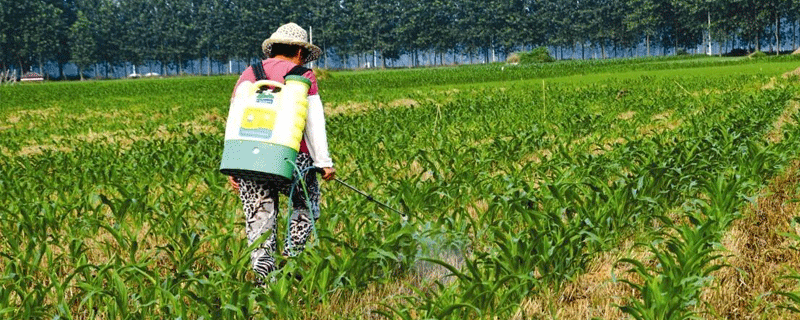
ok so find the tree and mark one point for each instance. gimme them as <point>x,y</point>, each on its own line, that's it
<point>183,33</point>
<point>775,11</point>
<point>172,33</point>
<point>683,23</point>
<point>38,28</point>
<point>643,20</point>
<point>106,29</point>
<point>475,27</point>
<point>6,44</point>
<point>141,33</point>
<point>82,44</point>
<point>749,18</point>
<point>408,30</point>
<point>66,19</point>
<point>516,26</point>
<point>561,23</point>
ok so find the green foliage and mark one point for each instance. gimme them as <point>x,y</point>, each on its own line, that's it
<point>513,58</point>
<point>112,193</point>
<point>178,31</point>
<point>537,55</point>
<point>83,45</point>
<point>757,55</point>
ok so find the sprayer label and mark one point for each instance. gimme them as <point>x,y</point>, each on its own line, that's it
<point>265,97</point>
<point>257,123</point>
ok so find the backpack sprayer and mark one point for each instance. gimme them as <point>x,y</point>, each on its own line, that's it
<point>264,129</point>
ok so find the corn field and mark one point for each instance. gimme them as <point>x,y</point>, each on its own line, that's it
<point>515,178</point>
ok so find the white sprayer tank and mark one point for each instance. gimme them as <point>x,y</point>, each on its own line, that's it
<point>264,129</point>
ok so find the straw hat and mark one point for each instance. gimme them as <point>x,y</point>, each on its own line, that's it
<point>292,34</point>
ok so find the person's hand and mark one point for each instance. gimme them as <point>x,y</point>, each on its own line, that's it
<point>329,173</point>
<point>233,183</point>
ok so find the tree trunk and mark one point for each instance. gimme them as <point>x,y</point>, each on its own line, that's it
<point>583,51</point>
<point>41,69</point>
<point>573,49</point>
<point>602,51</point>
<point>758,42</point>
<point>777,35</point>
<point>676,45</point>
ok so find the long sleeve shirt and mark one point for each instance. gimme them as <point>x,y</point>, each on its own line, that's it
<point>315,139</point>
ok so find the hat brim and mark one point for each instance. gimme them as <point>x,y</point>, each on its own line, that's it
<point>314,52</point>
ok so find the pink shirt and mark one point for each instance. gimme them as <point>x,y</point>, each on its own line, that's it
<point>275,70</point>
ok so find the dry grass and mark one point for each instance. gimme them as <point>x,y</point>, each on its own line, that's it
<point>606,145</point>
<point>660,123</point>
<point>795,73</point>
<point>776,134</point>
<point>352,107</point>
<point>538,156</point>
<point>758,256</point>
<point>360,304</point>
<point>39,114</point>
<point>595,293</point>
<point>774,80</point>
<point>124,138</point>
<point>407,170</point>
<point>626,115</point>
<point>477,208</point>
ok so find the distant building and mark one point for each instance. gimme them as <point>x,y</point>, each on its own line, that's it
<point>32,76</point>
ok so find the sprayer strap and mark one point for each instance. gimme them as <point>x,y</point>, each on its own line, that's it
<point>258,71</point>
<point>297,71</point>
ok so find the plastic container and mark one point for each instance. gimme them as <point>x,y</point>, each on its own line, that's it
<point>264,129</point>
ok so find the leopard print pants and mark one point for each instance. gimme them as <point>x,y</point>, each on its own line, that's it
<point>260,201</point>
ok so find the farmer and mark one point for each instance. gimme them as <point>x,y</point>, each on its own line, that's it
<point>287,50</point>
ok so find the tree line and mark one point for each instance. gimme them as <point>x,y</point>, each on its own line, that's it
<point>171,33</point>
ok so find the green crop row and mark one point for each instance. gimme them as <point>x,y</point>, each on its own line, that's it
<point>511,188</point>
<point>546,220</point>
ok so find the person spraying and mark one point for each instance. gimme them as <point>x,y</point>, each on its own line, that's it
<point>264,157</point>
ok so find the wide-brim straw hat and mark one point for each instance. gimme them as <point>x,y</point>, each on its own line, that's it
<point>292,34</point>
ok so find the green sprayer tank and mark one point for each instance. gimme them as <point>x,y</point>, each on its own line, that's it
<point>264,129</point>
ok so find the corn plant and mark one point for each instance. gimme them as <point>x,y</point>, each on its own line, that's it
<point>118,210</point>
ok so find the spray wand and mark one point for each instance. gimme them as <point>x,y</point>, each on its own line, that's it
<point>369,197</point>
